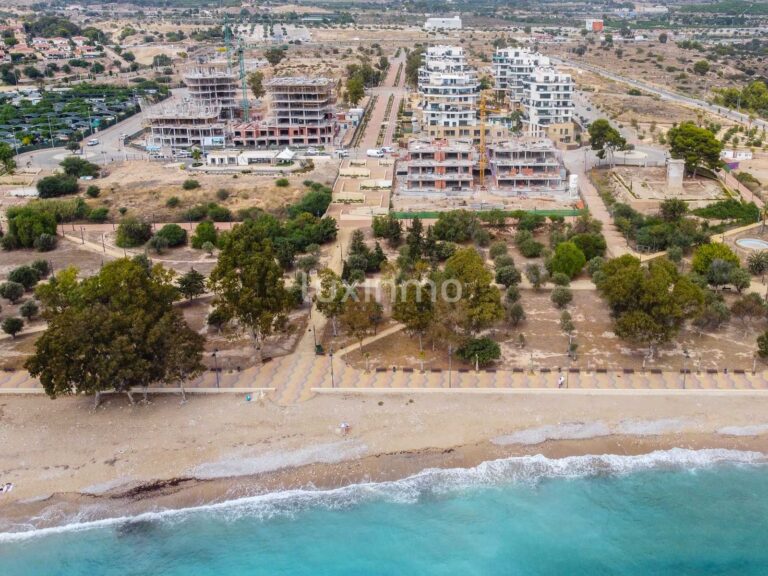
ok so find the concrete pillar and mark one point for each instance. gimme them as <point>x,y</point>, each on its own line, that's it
<point>675,173</point>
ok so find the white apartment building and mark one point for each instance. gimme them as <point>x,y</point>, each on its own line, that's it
<point>548,100</point>
<point>448,90</point>
<point>511,68</point>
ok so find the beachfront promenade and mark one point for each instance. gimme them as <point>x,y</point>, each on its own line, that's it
<point>298,377</point>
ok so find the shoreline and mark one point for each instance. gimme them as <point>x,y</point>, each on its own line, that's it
<point>72,463</point>
<point>189,493</point>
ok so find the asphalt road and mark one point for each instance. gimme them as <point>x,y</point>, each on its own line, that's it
<point>665,94</point>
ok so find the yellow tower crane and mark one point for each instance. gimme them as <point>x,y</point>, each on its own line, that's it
<point>483,160</point>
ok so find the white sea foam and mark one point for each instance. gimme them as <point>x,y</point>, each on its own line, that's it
<point>247,465</point>
<point>754,430</point>
<point>567,431</point>
<point>652,427</point>
<point>525,469</point>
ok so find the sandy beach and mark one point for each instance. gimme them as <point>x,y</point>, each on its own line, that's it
<point>69,462</point>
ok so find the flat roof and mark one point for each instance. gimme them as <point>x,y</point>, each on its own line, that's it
<point>298,81</point>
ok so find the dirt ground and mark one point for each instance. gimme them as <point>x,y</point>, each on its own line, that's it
<point>598,347</point>
<point>144,189</point>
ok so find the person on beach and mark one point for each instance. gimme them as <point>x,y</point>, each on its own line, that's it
<point>344,427</point>
<point>560,381</point>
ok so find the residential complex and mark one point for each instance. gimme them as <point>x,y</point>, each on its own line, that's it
<point>448,92</point>
<point>441,168</point>
<point>526,167</point>
<point>547,101</point>
<point>511,68</point>
<point>301,113</point>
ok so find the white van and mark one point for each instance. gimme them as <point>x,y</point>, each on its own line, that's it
<point>374,153</point>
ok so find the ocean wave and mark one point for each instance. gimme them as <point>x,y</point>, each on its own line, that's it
<point>425,484</point>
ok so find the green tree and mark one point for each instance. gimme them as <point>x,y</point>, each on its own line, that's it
<point>204,232</point>
<point>561,296</point>
<point>117,330</point>
<point>508,276</point>
<point>359,317</point>
<point>248,281</point>
<point>482,351</point>
<point>133,232</point>
<point>673,209</point>
<point>355,89</point>
<point>79,167</point>
<point>24,275</point>
<point>29,309</point>
<point>707,253</point>
<point>413,307</point>
<point>274,55</point>
<point>174,234</point>
<point>605,139</point>
<point>256,83</point>
<point>697,146</point>
<point>56,185</point>
<point>568,259</point>
<point>12,326</point>
<point>6,158</point>
<point>535,275</point>
<point>330,300</point>
<point>191,284</point>
<point>701,67</point>
<point>12,291</point>
<point>481,299</point>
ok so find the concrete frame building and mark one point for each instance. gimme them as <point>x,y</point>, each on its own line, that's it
<point>301,113</point>
<point>526,167</point>
<point>548,100</point>
<point>439,168</point>
<point>511,68</point>
<point>448,92</point>
<point>215,83</point>
<point>185,126</point>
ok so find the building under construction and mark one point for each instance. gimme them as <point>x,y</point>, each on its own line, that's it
<point>215,83</point>
<point>301,112</point>
<point>187,125</point>
<point>526,167</point>
<point>440,167</point>
<point>522,167</point>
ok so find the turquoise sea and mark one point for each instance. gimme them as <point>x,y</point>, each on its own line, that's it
<point>675,512</point>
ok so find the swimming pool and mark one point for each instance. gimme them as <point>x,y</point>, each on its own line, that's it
<point>752,243</point>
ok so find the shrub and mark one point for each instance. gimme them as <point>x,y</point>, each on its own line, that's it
<point>707,253</point>
<point>29,309</point>
<point>208,247</point>
<point>205,232</point>
<point>516,314</point>
<point>27,223</point>
<point>190,184</point>
<point>222,194</point>
<point>497,249</point>
<point>45,242</point>
<point>503,260</point>
<point>11,291</point>
<point>133,232</point>
<point>217,318</point>
<point>172,202</point>
<point>592,245</point>
<point>508,276</point>
<point>42,267</point>
<point>196,213</point>
<point>282,182</point>
<point>158,244</point>
<point>481,350</point>
<point>12,326</point>
<point>78,167</point>
<point>174,234</point>
<point>98,214</point>
<point>561,296</point>
<point>531,248</point>
<point>219,213</point>
<point>513,294</point>
<point>56,185</point>
<point>93,191</point>
<point>595,265</point>
<point>560,279</point>
<point>25,275</point>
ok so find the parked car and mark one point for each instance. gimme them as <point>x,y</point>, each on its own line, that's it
<point>374,153</point>
<point>313,151</point>
<point>342,153</point>
<point>387,149</point>
<point>93,142</point>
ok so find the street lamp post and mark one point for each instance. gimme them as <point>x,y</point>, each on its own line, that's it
<point>216,366</point>
<point>450,356</point>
